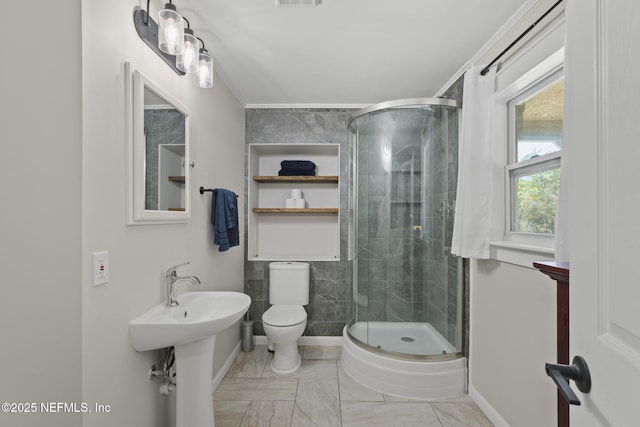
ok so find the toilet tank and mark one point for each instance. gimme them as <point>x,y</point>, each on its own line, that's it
<point>289,283</point>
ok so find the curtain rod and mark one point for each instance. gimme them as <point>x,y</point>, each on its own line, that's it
<point>485,70</point>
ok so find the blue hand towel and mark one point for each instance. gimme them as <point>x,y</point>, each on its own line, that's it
<point>298,165</point>
<point>224,217</point>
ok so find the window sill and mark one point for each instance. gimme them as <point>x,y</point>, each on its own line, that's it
<point>520,254</point>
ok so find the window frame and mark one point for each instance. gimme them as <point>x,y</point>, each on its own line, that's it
<point>538,164</point>
<point>506,246</point>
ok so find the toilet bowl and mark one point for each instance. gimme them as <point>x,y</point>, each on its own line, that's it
<point>284,325</point>
<point>284,322</point>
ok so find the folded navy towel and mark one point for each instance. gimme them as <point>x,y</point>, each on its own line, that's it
<point>296,172</point>
<point>224,217</point>
<point>298,164</point>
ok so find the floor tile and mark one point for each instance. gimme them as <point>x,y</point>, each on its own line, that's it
<point>229,413</point>
<point>321,352</point>
<point>256,389</point>
<point>250,364</point>
<point>460,415</point>
<point>358,414</point>
<point>461,398</point>
<point>350,390</point>
<point>308,369</point>
<point>317,403</point>
<point>268,414</point>
<point>320,393</point>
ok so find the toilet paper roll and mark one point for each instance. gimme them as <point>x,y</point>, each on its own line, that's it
<point>289,203</point>
<point>298,203</point>
<point>296,194</point>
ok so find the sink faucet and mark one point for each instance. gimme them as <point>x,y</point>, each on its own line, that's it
<point>171,278</point>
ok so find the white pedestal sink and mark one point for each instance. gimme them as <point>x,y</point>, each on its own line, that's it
<point>191,329</point>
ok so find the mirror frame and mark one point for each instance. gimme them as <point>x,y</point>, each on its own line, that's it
<point>135,83</point>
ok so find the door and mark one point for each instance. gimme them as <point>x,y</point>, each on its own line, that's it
<point>602,113</point>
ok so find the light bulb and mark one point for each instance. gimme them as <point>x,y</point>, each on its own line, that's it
<point>205,69</point>
<point>187,61</point>
<point>170,30</point>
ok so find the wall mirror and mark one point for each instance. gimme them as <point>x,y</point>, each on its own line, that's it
<point>160,161</point>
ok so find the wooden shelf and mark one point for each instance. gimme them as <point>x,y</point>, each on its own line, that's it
<point>263,178</point>
<point>176,178</point>
<point>295,211</point>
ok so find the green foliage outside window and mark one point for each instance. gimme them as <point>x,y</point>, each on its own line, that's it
<point>537,201</point>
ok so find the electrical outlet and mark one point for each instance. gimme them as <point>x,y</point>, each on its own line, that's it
<point>100,268</point>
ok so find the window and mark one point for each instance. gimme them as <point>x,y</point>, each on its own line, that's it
<point>535,147</point>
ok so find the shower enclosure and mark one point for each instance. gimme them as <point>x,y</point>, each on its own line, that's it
<point>405,294</point>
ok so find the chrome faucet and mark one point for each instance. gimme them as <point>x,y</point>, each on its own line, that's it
<point>171,278</point>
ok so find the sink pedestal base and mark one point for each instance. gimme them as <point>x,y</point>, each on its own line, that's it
<point>194,383</point>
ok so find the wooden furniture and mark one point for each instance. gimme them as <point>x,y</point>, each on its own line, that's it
<point>559,271</point>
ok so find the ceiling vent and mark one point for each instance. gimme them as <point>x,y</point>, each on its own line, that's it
<point>298,2</point>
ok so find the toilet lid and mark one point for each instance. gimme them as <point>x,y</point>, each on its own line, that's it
<point>284,315</point>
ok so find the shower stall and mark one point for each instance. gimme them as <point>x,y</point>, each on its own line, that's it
<point>404,332</point>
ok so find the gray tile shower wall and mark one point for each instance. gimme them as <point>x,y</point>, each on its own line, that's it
<point>327,309</point>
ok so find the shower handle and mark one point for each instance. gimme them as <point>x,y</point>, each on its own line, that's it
<point>446,208</point>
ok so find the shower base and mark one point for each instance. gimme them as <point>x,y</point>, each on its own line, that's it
<point>438,377</point>
<point>402,337</point>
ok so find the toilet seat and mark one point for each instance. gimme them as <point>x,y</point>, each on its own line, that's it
<point>284,315</point>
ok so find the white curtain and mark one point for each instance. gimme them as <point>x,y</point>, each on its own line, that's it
<point>473,217</point>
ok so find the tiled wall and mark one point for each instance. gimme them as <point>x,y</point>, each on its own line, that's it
<point>327,309</point>
<point>162,126</point>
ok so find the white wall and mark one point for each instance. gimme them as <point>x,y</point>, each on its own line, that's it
<point>513,334</point>
<point>113,373</point>
<point>40,175</point>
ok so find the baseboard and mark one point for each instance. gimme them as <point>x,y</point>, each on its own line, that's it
<point>217,379</point>
<point>486,407</point>
<point>322,341</point>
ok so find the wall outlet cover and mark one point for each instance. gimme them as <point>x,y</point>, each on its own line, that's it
<point>100,268</point>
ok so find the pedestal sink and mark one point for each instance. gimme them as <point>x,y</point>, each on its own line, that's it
<point>191,328</point>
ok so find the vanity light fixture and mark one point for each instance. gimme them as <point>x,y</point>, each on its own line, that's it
<point>204,76</point>
<point>175,44</point>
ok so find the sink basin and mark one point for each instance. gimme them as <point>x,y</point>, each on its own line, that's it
<point>199,315</point>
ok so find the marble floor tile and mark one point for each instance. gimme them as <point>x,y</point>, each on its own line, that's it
<point>317,403</point>
<point>321,352</point>
<point>320,393</point>
<point>308,369</point>
<point>460,415</point>
<point>229,413</point>
<point>461,398</point>
<point>383,414</point>
<point>268,414</point>
<point>250,364</point>
<point>256,389</point>
<point>350,390</point>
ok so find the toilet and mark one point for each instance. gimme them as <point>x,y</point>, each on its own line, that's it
<point>285,320</point>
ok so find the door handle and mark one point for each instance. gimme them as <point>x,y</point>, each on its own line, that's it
<point>578,371</point>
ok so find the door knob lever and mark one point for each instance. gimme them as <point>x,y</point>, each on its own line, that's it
<point>578,371</point>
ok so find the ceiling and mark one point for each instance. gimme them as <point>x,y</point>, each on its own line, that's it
<point>342,52</point>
